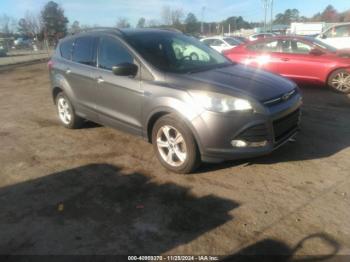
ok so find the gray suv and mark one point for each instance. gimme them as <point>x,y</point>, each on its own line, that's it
<point>186,99</point>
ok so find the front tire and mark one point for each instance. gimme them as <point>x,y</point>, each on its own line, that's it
<point>339,81</point>
<point>175,145</point>
<point>66,112</point>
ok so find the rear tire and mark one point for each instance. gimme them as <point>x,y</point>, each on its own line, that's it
<point>66,112</point>
<point>339,81</point>
<point>174,145</point>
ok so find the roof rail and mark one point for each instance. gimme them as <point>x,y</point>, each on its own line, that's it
<point>171,29</point>
<point>97,28</point>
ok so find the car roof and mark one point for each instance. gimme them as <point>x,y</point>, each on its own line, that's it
<point>284,37</point>
<point>123,33</point>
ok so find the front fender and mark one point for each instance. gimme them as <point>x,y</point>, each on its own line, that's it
<point>186,110</point>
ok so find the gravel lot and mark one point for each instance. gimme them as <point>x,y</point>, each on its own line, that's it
<point>100,191</point>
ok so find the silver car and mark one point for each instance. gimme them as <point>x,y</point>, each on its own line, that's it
<point>191,108</point>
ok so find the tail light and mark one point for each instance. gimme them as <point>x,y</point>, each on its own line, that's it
<point>50,65</point>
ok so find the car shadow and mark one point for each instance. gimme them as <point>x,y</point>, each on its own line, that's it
<point>97,209</point>
<point>325,130</point>
<point>270,250</point>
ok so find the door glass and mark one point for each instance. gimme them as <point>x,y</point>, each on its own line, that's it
<point>83,51</point>
<point>270,46</point>
<point>187,51</point>
<point>301,48</point>
<point>112,53</point>
<point>342,31</point>
<point>217,42</point>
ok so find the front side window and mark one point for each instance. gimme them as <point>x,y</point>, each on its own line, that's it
<point>83,51</point>
<point>66,49</point>
<point>342,31</point>
<point>217,42</point>
<point>112,53</point>
<point>176,52</point>
<point>301,48</point>
<point>338,31</point>
<point>231,41</point>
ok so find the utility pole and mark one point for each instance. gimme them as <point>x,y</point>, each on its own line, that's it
<point>202,25</point>
<point>271,15</point>
<point>266,7</point>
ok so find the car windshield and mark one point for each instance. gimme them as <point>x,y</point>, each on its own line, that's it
<point>232,41</point>
<point>321,44</point>
<point>176,53</point>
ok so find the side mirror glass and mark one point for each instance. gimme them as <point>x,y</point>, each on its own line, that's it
<point>125,69</point>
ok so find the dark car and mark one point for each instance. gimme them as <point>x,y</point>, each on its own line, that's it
<point>191,108</point>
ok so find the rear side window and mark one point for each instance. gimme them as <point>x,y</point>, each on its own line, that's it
<point>66,49</point>
<point>84,51</point>
<point>112,53</point>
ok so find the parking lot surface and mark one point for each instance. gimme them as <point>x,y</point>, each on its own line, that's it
<point>100,191</point>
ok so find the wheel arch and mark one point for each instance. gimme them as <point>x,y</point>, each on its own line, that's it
<point>333,70</point>
<point>152,119</point>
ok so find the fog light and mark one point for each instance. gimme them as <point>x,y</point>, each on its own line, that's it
<point>258,144</point>
<point>238,143</point>
<point>242,143</point>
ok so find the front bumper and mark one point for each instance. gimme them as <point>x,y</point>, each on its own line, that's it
<point>275,124</point>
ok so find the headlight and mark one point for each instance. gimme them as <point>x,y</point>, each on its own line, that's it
<point>220,103</point>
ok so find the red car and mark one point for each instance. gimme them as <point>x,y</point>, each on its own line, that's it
<point>303,59</point>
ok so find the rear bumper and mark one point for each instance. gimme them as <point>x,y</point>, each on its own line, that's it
<point>276,125</point>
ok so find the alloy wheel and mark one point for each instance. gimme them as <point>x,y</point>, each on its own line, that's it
<point>171,146</point>
<point>64,110</point>
<point>341,81</point>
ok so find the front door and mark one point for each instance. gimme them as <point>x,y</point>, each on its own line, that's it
<point>119,97</point>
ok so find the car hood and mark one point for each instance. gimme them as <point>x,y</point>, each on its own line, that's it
<point>239,78</point>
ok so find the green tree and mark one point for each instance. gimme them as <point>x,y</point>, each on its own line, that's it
<point>191,24</point>
<point>330,15</point>
<point>75,28</point>
<point>141,23</point>
<point>289,16</point>
<point>123,23</point>
<point>23,27</point>
<point>54,21</point>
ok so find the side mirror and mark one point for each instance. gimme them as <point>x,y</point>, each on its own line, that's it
<point>316,52</point>
<point>323,36</point>
<point>125,69</point>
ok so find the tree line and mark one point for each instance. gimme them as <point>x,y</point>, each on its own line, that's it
<point>52,23</point>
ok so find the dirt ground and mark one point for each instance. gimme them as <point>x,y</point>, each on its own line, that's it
<point>100,191</point>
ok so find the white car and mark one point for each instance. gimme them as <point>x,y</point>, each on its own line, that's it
<point>337,36</point>
<point>221,43</point>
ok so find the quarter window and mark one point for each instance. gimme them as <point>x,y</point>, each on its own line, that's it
<point>83,51</point>
<point>66,49</point>
<point>112,53</point>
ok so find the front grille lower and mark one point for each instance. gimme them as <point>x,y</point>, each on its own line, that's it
<point>255,133</point>
<point>285,125</point>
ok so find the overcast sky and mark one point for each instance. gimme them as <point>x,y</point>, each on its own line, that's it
<point>106,12</point>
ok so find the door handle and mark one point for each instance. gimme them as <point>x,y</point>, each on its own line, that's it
<point>100,80</point>
<point>68,71</point>
<point>285,59</point>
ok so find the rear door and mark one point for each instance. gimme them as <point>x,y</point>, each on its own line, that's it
<point>263,55</point>
<point>119,98</point>
<point>81,74</point>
